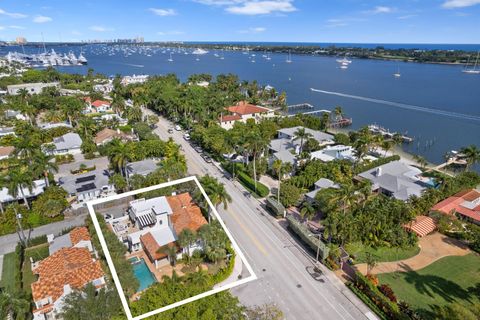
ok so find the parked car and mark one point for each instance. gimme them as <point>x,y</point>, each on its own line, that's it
<point>186,136</point>
<point>170,130</point>
<point>198,149</point>
<point>178,128</point>
<point>207,158</point>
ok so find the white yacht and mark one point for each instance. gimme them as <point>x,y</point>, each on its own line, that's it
<point>474,69</point>
<point>199,51</point>
<point>289,57</point>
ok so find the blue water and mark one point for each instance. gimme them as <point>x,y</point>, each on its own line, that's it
<point>440,105</point>
<point>143,274</point>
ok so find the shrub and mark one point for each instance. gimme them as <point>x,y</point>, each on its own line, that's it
<point>388,292</point>
<point>63,158</point>
<point>380,161</point>
<point>308,237</point>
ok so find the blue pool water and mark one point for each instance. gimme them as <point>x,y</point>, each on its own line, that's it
<point>142,273</point>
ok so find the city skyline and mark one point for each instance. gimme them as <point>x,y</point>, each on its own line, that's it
<point>349,21</point>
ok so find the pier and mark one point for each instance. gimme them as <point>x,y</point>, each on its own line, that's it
<point>387,134</point>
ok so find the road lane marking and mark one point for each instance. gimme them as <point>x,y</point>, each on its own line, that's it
<point>249,233</point>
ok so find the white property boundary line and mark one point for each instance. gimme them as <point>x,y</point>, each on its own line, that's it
<point>116,279</point>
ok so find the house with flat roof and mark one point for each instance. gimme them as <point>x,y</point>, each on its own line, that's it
<point>66,269</point>
<point>69,143</point>
<point>87,186</point>
<point>395,179</point>
<point>338,152</point>
<point>157,223</point>
<point>32,88</point>
<point>465,204</point>
<point>142,167</point>
<point>242,112</point>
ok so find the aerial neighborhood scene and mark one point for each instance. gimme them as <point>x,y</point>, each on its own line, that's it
<point>284,159</point>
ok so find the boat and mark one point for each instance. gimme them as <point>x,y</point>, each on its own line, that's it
<point>170,59</point>
<point>81,59</point>
<point>344,66</point>
<point>473,70</point>
<point>199,51</point>
<point>397,74</point>
<point>344,60</point>
<point>289,57</point>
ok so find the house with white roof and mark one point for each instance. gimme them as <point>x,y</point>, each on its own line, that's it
<point>37,189</point>
<point>338,152</point>
<point>69,143</point>
<point>396,179</point>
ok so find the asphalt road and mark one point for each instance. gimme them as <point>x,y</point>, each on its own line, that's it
<point>285,271</point>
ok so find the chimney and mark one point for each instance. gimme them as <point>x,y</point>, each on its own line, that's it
<point>379,171</point>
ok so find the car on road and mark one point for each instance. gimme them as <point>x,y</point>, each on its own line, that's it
<point>198,149</point>
<point>186,136</point>
<point>207,158</point>
<point>178,128</point>
<point>170,130</point>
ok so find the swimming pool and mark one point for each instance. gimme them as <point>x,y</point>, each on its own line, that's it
<point>142,273</point>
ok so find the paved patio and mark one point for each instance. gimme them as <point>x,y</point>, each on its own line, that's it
<point>432,248</point>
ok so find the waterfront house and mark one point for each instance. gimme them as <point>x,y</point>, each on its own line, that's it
<point>338,152</point>
<point>32,88</point>
<point>87,186</point>
<point>151,224</point>
<point>322,138</point>
<point>140,78</point>
<point>395,179</point>
<point>106,135</point>
<point>242,112</point>
<point>69,267</point>
<point>465,204</point>
<point>69,143</point>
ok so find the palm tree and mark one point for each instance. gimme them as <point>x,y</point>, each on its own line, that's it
<point>280,168</point>
<point>86,126</point>
<point>255,145</point>
<point>171,252</point>
<point>371,261</point>
<point>215,191</point>
<point>186,238</point>
<point>387,145</point>
<point>13,306</point>
<point>307,210</point>
<point>338,112</point>
<point>471,154</point>
<point>16,181</point>
<point>119,156</point>
<point>302,135</point>
<point>345,197</point>
<point>420,160</point>
<point>43,165</point>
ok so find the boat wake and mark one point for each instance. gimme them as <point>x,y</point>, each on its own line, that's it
<point>403,105</point>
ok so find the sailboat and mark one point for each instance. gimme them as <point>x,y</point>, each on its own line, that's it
<point>397,74</point>
<point>474,69</point>
<point>170,59</point>
<point>289,57</point>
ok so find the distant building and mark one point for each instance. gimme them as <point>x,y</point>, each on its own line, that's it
<point>106,135</point>
<point>242,112</point>
<point>70,266</point>
<point>69,143</point>
<point>32,88</point>
<point>37,189</point>
<point>87,186</point>
<point>465,204</point>
<point>290,134</point>
<point>395,179</point>
<point>338,152</point>
<point>97,106</point>
<point>20,40</point>
<point>140,78</point>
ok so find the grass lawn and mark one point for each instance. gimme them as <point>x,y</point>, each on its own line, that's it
<point>382,254</point>
<point>448,280</point>
<point>9,271</point>
<point>37,253</point>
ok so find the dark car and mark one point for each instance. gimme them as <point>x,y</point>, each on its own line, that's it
<point>207,158</point>
<point>170,130</point>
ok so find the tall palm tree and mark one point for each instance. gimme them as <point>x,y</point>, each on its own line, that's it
<point>420,160</point>
<point>255,144</point>
<point>171,252</point>
<point>16,181</point>
<point>345,197</point>
<point>86,126</point>
<point>307,211</point>
<point>471,154</point>
<point>186,238</point>
<point>13,306</point>
<point>303,135</point>
<point>42,164</point>
<point>280,169</point>
<point>119,156</point>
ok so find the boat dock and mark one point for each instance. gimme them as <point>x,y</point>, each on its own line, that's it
<point>300,106</point>
<point>375,129</point>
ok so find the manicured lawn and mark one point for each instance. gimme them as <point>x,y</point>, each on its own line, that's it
<point>37,253</point>
<point>382,254</point>
<point>448,280</point>
<point>9,271</point>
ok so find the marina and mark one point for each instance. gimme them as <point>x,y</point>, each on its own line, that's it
<point>378,130</point>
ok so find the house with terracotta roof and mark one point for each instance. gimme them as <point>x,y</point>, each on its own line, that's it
<point>106,135</point>
<point>243,111</point>
<point>67,268</point>
<point>465,204</point>
<point>97,106</point>
<point>156,223</point>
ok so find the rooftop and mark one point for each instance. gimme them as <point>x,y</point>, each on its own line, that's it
<point>107,133</point>
<point>93,180</point>
<point>317,135</point>
<point>186,214</point>
<point>143,167</point>
<point>67,141</point>
<point>69,240</point>
<point>466,203</point>
<point>244,108</point>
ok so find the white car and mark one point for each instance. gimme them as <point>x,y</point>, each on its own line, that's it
<point>186,136</point>
<point>178,128</point>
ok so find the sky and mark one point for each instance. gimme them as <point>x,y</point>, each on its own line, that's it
<point>347,21</point>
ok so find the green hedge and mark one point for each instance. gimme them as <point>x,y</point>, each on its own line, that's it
<point>380,161</point>
<point>247,181</point>
<point>362,296</point>
<point>224,273</point>
<point>308,237</point>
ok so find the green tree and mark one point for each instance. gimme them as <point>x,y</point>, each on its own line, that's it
<point>16,182</point>
<point>170,252</point>
<point>185,239</point>
<point>303,135</point>
<point>13,306</point>
<point>471,154</point>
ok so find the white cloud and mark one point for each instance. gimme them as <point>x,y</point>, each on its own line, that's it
<point>17,27</point>
<point>252,7</point>
<point>451,4</point>
<point>42,19</point>
<point>381,9</point>
<point>13,14</point>
<point>408,16</point>
<point>100,29</point>
<point>163,12</point>
<point>262,7</point>
<point>253,30</point>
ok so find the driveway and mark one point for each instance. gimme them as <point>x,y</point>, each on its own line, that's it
<point>64,169</point>
<point>432,247</point>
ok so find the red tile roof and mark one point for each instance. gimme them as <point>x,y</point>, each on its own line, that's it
<point>421,225</point>
<point>79,234</point>
<point>243,108</point>
<point>186,214</point>
<point>98,103</point>
<point>107,133</point>
<point>72,266</point>
<point>6,151</point>
<point>454,204</point>
<point>228,117</point>
<point>151,246</point>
